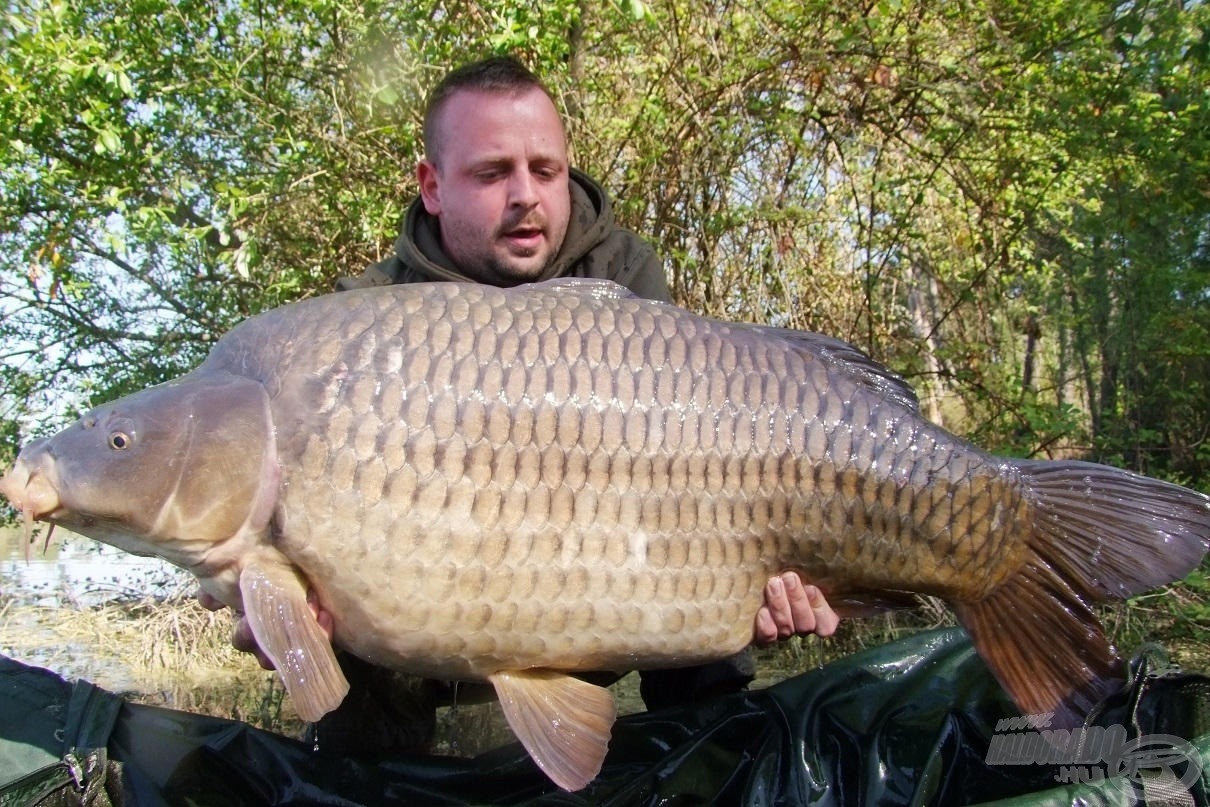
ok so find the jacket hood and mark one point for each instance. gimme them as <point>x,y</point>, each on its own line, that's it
<point>419,245</point>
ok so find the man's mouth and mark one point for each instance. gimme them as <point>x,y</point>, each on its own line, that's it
<point>525,238</point>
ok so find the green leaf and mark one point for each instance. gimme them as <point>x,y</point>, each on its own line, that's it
<point>107,141</point>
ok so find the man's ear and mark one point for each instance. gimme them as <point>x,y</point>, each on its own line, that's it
<point>430,193</point>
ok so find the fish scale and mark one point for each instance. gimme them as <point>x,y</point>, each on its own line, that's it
<point>517,484</point>
<point>510,455</point>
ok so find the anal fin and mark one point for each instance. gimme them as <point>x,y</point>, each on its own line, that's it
<point>563,722</point>
<point>275,602</point>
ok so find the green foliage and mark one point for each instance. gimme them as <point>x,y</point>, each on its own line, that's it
<point>1177,617</point>
<point>1004,201</point>
<point>1198,583</point>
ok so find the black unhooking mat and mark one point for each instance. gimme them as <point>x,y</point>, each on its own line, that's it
<point>917,721</point>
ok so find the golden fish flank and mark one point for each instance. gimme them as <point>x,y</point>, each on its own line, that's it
<point>515,484</point>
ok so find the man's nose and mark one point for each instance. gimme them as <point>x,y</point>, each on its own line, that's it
<point>522,190</point>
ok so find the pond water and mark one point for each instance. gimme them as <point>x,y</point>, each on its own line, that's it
<point>74,571</point>
<point>43,600</point>
<point>45,607</point>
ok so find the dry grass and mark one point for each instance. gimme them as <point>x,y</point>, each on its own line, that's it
<point>176,636</point>
<point>175,653</point>
<point>172,653</point>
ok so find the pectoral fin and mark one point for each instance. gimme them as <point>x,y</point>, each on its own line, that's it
<point>563,722</point>
<point>275,602</point>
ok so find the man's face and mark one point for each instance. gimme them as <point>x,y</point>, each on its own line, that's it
<point>499,187</point>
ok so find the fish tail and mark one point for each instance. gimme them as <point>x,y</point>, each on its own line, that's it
<point>1097,533</point>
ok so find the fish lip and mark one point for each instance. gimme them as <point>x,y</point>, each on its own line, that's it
<point>34,497</point>
<point>31,493</point>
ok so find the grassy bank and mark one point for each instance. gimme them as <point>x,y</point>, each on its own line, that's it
<point>176,654</point>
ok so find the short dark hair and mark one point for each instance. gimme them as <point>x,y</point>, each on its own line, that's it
<point>495,74</point>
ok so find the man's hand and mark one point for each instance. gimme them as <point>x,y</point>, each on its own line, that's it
<point>791,608</point>
<point>241,635</point>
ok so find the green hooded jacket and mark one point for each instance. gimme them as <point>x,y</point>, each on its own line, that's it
<point>595,246</point>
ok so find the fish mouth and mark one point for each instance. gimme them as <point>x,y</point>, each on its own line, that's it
<point>29,490</point>
<point>33,495</point>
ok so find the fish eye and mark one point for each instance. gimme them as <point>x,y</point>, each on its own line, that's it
<point>120,441</point>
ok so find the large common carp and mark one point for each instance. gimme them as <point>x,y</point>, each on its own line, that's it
<point>512,485</point>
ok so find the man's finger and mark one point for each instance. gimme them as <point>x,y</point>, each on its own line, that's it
<point>823,619</point>
<point>790,608</point>
<point>781,608</point>
<point>801,618</point>
<point>208,602</point>
<point>243,639</point>
<point>324,618</point>
<point>775,619</point>
<point>765,630</point>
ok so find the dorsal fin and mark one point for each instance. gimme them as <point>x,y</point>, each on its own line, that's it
<point>847,359</point>
<point>837,354</point>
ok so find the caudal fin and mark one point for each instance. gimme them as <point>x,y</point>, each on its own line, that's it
<point>1099,533</point>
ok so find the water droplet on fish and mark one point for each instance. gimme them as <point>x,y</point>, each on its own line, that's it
<point>313,736</point>
<point>452,721</point>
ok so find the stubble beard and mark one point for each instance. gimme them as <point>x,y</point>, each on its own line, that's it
<point>498,266</point>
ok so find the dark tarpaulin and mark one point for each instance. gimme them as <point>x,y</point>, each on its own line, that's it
<point>910,722</point>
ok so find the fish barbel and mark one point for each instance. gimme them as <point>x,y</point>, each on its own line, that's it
<point>516,484</point>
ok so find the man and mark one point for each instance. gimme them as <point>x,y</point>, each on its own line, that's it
<point>500,204</point>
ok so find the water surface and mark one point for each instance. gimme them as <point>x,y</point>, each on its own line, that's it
<point>44,600</point>
<point>73,571</point>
